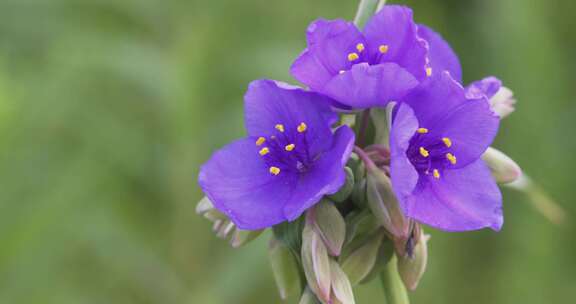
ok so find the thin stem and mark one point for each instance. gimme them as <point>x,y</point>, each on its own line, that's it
<point>381,5</point>
<point>365,158</point>
<point>366,9</point>
<point>364,121</point>
<point>394,290</point>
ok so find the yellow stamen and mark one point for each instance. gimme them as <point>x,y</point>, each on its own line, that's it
<point>451,158</point>
<point>424,152</point>
<point>275,170</point>
<point>279,127</point>
<point>422,130</point>
<point>264,151</point>
<point>260,141</point>
<point>447,141</point>
<point>428,72</point>
<point>383,49</point>
<point>290,147</point>
<point>436,173</point>
<point>360,47</point>
<point>302,127</point>
<point>353,56</point>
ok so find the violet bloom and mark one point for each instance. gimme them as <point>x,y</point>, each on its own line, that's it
<point>290,159</point>
<point>364,69</point>
<point>438,135</point>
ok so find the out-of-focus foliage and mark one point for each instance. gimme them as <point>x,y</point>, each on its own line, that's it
<point>108,107</point>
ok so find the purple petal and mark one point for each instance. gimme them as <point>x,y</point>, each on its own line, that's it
<point>471,128</point>
<point>434,98</point>
<point>268,103</point>
<point>326,177</point>
<point>367,86</point>
<point>440,54</point>
<point>460,200</point>
<point>240,185</point>
<point>394,27</point>
<point>487,87</point>
<point>404,175</point>
<point>329,43</point>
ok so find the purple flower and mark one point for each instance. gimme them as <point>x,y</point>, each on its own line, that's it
<point>290,159</point>
<point>438,135</point>
<point>364,69</point>
<point>501,98</point>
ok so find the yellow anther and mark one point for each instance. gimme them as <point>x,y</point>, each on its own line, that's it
<point>275,170</point>
<point>383,49</point>
<point>428,72</point>
<point>424,152</point>
<point>260,141</point>
<point>279,127</point>
<point>302,127</point>
<point>451,158</point>
<point>353,56</point>
<point>436,173</point>
<point>422,130</point>
<point>447,141</point>
<point>264,151</point>
<point>360,47</point>
<point>290,147</point>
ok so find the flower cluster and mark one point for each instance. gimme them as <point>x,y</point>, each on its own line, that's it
<point>345,204</point>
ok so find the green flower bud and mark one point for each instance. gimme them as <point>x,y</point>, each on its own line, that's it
<point>503,168</point>
<point>361,260</point>
<point>341,287</point>
<point>284,268</point>
<point>315,262</point>
<point>383,203</point>
<point>346,189</point>
<point>412,268</point>
<point>308,297</point>
<point>329,225</point>
<point>242,237</point>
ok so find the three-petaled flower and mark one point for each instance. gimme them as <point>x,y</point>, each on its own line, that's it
<point>370,68</point>
<point>438,135</point>
<point>290,159</point>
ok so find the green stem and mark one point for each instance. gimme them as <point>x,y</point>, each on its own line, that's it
<point>381,5</point>
<point>394,290</point>
<point>366,9</point>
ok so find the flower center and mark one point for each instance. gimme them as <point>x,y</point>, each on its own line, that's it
<point>430,155</point>
<point>286,150</point>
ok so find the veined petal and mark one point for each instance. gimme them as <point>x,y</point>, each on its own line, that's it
<point>268,103</point>
<point>368,86</point>
<point>404,175</point>
<point>440,54</point>
<point>240,185</point>
<point>394,28</point>
<point>329,44</point>
<point>471,129</point>
<point>326,177</point>
<point>460,200</point>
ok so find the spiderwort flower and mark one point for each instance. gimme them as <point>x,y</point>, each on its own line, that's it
<point>290,159</point>
<point>364,69</point>
<point>438,135</point>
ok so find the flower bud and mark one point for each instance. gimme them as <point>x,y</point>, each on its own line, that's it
<point>411,268</point>
<point>361,261</point>
<point>503,102</point>
<point>503,168</point>
<point>341,287</point>
<point>242,237</point>
<point>383,203</point>
<point>329,225</point>
<point>346,189</point>
<point>308,297</point>
<point>284,268</point>
<point>316,263</point>
<point>206,209</point>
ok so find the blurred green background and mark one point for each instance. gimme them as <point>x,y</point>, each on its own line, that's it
<point>108,107</point>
